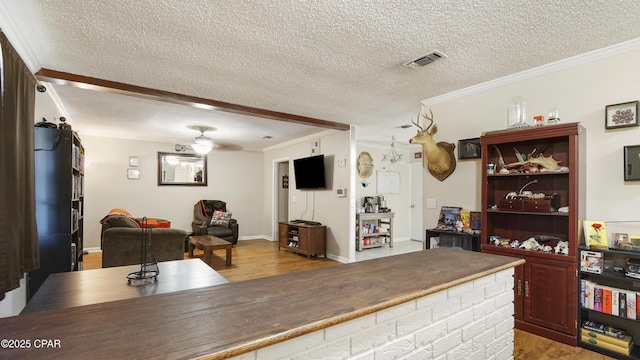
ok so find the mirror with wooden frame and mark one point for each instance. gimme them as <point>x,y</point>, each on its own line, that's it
<point>182,169</point>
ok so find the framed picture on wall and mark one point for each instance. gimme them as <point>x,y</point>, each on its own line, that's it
<point>621,115</point>
<point>469,149</point>
<point>632,162</point>
<point>133,174</point>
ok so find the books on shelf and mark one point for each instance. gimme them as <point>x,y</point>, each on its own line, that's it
<point>625,342</point>
<point>448,217</point>
<point>606,337</point>
<point>475,220</point>
<point>465,216</point>
<point>599,342</point>
<point>595,234</point>
<point>604,329</point>
<point>609,300</point>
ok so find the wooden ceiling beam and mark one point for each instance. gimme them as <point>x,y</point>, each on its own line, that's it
<point>91,83</point>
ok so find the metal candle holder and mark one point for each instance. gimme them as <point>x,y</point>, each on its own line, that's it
<point>148,265</point>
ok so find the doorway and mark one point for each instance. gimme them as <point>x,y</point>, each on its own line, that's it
<point>417,230</point>
<point>280,194</point>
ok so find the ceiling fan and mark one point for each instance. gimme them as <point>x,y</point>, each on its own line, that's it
<point>202,144</point>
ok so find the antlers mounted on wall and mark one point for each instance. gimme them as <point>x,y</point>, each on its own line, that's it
<point>439,158</point>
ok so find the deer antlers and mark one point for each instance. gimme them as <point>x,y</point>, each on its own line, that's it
<point>417,123</point>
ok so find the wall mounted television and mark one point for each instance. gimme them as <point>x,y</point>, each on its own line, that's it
<point>309,172</point>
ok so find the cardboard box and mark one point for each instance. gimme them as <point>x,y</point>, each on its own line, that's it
<point>591,261</point>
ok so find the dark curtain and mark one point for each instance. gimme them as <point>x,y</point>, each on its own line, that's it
<point>18,234</point>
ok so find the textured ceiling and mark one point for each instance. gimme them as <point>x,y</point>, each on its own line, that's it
<point>333,60</point>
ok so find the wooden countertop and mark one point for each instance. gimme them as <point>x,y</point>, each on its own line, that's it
<point>75,288</point>
<point>230,319</point>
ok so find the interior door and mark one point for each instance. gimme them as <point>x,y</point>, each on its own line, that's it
<point>280,193</point>
<point>417,230</point>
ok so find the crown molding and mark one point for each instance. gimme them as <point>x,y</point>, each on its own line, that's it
<point>595,55</point>
<point>306,138</point>
<point>16,39</point>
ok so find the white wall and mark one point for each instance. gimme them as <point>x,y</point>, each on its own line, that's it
<point>318,205</point>
<point>234,176</point>
<point>581,93</point>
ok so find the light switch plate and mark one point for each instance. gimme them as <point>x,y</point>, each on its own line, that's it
<point>431,203</point>
<point>315,147</point>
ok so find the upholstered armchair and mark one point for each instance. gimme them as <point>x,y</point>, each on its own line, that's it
<point>211,218</point>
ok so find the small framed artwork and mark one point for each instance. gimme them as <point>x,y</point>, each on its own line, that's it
<point>133,161</point>
<point>133,174</point>
<point>632,162</point>
<point>621,241</point>
<point>621,115</point>
<point>469,149</point>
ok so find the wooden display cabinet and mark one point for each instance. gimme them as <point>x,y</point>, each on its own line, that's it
<point>545,287</point>
<point>302,238</point>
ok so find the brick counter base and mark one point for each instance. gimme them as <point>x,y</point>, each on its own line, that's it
<point>473,320</point>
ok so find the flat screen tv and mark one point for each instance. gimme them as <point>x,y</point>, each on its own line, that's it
<point>309,172</point>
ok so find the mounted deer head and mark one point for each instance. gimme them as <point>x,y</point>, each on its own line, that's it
<point>439,158</point>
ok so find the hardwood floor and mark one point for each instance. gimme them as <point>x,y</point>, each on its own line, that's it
<point>260,258</point>
<point>251,259</point>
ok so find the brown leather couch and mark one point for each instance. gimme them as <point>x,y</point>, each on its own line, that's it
<point>121,239</point>
<point>123,245</point>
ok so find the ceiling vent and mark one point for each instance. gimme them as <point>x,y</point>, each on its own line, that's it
<point>425,59</point>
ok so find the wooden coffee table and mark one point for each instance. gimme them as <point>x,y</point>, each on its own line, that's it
<point>208,243</point>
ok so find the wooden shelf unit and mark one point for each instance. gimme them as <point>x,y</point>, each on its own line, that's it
<point>382,221</point>
<point>59,173</point>
<point>614,281</point>
<point>455,239</point>
<point>302,238</point>
<point>545,287</point>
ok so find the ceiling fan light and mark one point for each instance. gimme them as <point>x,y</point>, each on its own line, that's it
<point>203,140</point>
<point>202,148</point>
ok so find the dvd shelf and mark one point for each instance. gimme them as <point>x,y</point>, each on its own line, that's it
<point>609,281</point>
<point>59,173</point>
<point>302,238</point>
